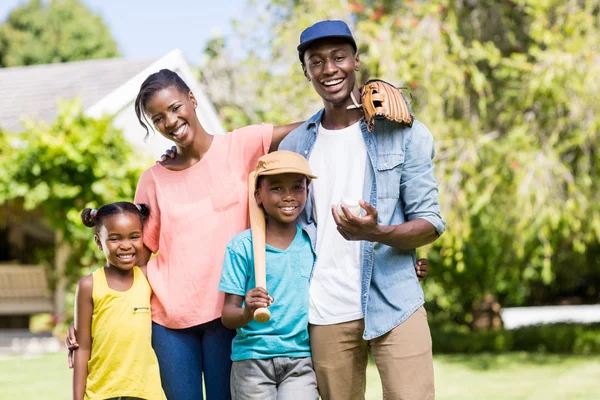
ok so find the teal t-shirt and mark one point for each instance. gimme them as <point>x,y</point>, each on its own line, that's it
<point>288,273</point>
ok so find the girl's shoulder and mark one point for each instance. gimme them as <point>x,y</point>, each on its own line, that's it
<point>85,286</point>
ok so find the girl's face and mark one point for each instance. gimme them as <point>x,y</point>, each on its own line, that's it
<point>120,237</point>
<point>173,114</point>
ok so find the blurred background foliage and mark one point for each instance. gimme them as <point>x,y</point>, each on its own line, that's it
<point>41,32</point>
<point>508,89</point>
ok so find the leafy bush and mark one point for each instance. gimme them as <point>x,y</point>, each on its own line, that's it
<point>553,338</point>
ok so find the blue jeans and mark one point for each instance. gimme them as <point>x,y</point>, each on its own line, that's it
<point>185,354</point>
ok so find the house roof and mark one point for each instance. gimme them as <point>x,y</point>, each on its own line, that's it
<point>32,92</point>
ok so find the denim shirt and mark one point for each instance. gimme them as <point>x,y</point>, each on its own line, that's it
<point>399,183</point>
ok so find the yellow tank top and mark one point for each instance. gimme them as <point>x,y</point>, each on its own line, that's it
<point>122,362</point>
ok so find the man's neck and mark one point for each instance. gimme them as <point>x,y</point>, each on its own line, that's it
<point>338,116</point>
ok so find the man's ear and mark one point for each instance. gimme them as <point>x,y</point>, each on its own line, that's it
<point>98,242</point>
<point>356,61</point>
<point>305,72</point>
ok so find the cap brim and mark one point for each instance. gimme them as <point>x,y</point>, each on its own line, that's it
<point>284,171</point>
<point>303,46</point>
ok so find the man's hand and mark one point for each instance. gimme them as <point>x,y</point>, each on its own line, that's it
<point>71,343</point>
<point>357,228</point>
<point>169,154</point>
<point>256,298</point>
<point>422,268</point>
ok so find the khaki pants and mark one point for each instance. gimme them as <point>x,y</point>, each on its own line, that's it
<point>403,358</point>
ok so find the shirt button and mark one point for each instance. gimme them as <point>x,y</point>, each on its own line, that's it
<point>305,151</point>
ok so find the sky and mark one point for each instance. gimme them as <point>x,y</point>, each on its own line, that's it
<point>151,28</point>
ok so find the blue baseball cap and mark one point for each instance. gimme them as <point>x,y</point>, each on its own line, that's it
<point>322,30</point>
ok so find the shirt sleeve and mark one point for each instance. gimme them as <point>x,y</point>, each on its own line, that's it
<point>418,187</point>
<point>235,272</point>
<point>146,193</point>
<point>250,143</point>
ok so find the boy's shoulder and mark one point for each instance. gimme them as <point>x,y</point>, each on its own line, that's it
<point>241,242</point>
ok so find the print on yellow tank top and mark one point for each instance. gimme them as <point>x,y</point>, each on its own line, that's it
<point>122,362</point>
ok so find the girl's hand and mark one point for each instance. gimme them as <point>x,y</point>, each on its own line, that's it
<point>256,298</point>
<point>422,268</point>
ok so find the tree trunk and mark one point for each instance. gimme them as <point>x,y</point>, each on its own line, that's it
<point>63,250</point>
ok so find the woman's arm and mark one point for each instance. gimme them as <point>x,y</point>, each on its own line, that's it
<point>84,308</point>
<point>235,316</point>
<point>280,132</point>
<point>143,258</point>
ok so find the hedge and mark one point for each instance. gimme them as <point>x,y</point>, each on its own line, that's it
<point>552,338</point>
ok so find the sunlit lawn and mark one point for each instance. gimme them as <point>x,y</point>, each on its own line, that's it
<point>511,376</point>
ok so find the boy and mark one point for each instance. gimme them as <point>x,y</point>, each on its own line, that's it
<point>272,360</point>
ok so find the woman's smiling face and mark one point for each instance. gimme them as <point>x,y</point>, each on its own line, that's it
<point>173,114</point>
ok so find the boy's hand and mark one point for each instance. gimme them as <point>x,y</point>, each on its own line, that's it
<point>256,298</point>
<point>170,153</point>
<point>71,343</point>
<point>422,268</point>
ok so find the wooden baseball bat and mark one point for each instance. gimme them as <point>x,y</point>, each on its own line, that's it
<point>259,245</point>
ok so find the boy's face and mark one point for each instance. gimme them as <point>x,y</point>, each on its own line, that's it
<point>283,196</point>
<point>331,66</point>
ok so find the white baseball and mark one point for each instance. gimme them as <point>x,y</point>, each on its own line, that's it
<point>352,206</point>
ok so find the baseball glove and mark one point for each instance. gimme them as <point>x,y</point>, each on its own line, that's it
<point>382,100</point>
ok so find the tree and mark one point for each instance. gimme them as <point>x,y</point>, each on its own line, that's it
<point>51,32</point>
<point>60,169</point>
<point>509,91</point>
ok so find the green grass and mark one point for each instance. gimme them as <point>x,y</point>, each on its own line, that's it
<point>464,377</point>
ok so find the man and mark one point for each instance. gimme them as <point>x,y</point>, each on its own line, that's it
<point>364,293</point>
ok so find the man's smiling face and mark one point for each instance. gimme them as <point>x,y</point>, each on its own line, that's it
<point>331,66</point>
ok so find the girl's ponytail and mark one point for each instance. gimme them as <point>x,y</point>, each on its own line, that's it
<point>87,217</point>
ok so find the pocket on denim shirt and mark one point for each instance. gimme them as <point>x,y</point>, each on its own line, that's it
<point>389,172</point>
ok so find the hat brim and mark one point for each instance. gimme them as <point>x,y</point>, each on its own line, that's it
<point>303,46</point>
<point>284,171</point>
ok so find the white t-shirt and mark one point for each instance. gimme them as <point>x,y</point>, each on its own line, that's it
<point>338,159</point>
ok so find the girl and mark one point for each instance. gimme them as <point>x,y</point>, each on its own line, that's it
<point>112,312</point>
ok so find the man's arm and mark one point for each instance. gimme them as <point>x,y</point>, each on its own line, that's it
<point>280,132</point>
<point>83,324</point>
<point>418,194</point>
<point>406,236</point>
